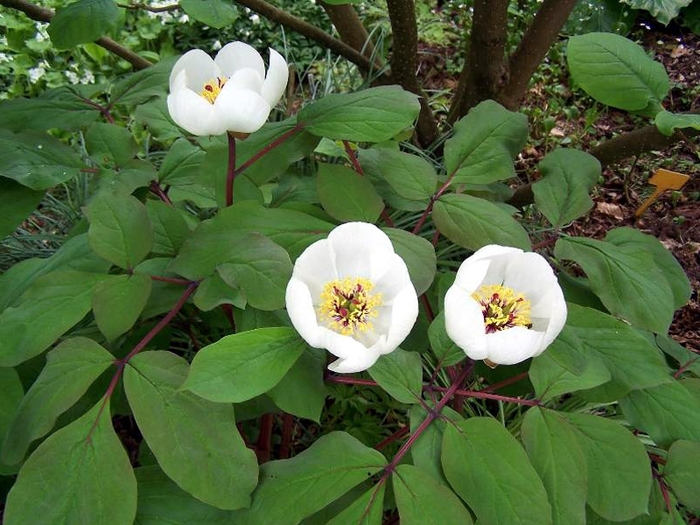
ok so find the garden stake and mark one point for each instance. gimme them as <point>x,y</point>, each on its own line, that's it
<point>663,180</point>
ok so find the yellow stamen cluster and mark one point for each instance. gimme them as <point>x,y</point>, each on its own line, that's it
<point>348,304</point>
<point>212,89</point>
<point>502,307</point>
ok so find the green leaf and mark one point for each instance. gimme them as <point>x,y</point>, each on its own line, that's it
<point>110,144</point>
<point>120,230</point>
<point>629,282</point>
<point>37,160</point>
<point>82,22</point>
<point>399,176</point>
<point>419,256</point>
<point>472,223</point>
<point>133,175</point>
<point>485,143</point>
<point>118,301</point>
<point>617,72</point>
<point>70,369</point>
<point>365,510</point>
<point>154,116</point>
<point>663,10</point>
<point>400,374</point>
<point>214,13</point>
<point>161,501</point>
<point>244,365</point>
<point>346,195</point>
<point>55,108</point>
<point>64,480</point>
<point>563,194</point>
<point>196,442</point>
<point>632,360</point>
<point>18,203</point>
<point>489,470</point>
<point>370,115</point>
<point>11,393</point>
<point>666,412</point>
<point>52,305</point>
<point>302,391</point>
<point>668,123</point>
<point>183,161</point>
<point>213,291</point>
<point>682,472</point>
<point>686,358</point>
<point>551,444</point>
<point>170,229</point>
<point>427,449</point>
<point>446,350</point>
<point>619,477</point>
<point>634,241</point>
<point>327,469</point>
<point>143,85</point>
<point>417,494</point>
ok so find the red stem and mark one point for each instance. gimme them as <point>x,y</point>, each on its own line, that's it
<point>171,280</point>
<point>350,380</point>
<point>435,197</point>
<point>684,367</point>
<point>353,158</point>
<point>394,437</point>
<point>428,308</point>
<point>505,382</point>
<point>287,435</point>
<point>158,191</point>
<point>263,447</point>
<point>231,170</point>
<point>272,145</point>
<point>480,394</point>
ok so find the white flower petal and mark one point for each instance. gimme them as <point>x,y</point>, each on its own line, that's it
<point>244,79</point>
<point>199,68</point>
<point>276,79</point>
<point>194,114</point>
<point>316,267</point>
<point>239,55</point>
<point>393,280</point>
<point>471,274</point>
<point>349,366</point>
<point>558,317</point>
<point>242,110</point>
<point>404,313</point>
<point>464,322</point>
<point>513,345</point>
<point>361,250</point>
<point>342,346</point>
<point>530,275</point>
<point>302,314</point>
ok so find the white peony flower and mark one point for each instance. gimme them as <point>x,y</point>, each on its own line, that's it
<point>505,306</point>
<point>351,294</point>
<point>229,93</point>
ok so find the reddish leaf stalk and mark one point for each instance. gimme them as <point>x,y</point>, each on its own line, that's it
<point>351,381</point>
<point>394,437</point>
<point>435,197</point>
<point>263,447</point>
<point>231,171</point>
<point>158,191</point>
<point>172,280</point>
<point>480,394</point>
<point>505,382</point>
<point>287,435</point>
<point>685,367</point>
<point>428,309</point>
<point>267,149</point>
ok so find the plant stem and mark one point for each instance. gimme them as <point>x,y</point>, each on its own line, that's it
<point>435,197</point>
<point>395,436</point>
<point>231,171</point>
<point>505,382</point>
<point>287,435</point>
<point>480,394</point>
<point>158,191</point>
<point>171,280</point>
<point>272,145</point>
<point>263,446</point>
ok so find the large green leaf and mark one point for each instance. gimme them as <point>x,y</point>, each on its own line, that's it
<point>70,369</point>
<point>52,305</point>
<point>422,500</point>
<point>214,13</point>
<point>328,469</point>
<point>485,143</point>
<point>37,160</point>
<point>489,470</point>
<point>244,365</point>
<point>370,115</point>
<point>170,229</point>
<point>663,10</point>
<point>419,256</point>
<point>666,412</point>
<point>18,203</point>
<point>80,474</point>
<point>427,448</point>
<point>551,444</point>
<point>302,391</point>
<point>444,348</point>
<point>82,22</point>
<point>162,502</point>
<point>631,359</point>
<point>667,122</point>
<point>563,194</point>
<point>110,144</point>
<point>473,223</point>
<point>346,195</point>
<point>118,301</point>
<point>619,477</point>
<point>368,509</point>
<point>154,116</point>
<point>399,176</point>
<point>11,393</point>
<point>616,71</point>
<point>141,86</point>
<point>120,230</point>
<point>400,373</point>
<point>628,280</point>
<point>55,108</point>
<point>682,472</point>
<point>195,441</point>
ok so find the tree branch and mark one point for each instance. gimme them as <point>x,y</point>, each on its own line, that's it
<point>308,30</point>
<point>41,14</point>
<point>404,63</point>
<point>539,37</point>
<point>612,151</point>
<point>351,31</point>
<point>485,71</point>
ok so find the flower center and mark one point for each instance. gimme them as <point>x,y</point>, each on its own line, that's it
<point>502,307</point>
<point>212,88</point>
<point>348,304</point>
